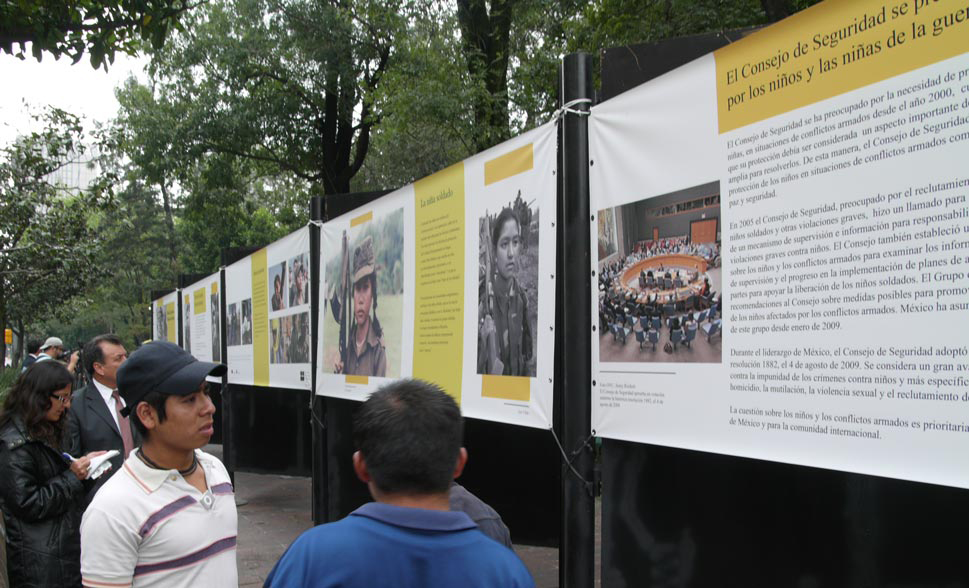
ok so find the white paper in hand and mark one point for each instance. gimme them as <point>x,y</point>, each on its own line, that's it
<point>100,464</point>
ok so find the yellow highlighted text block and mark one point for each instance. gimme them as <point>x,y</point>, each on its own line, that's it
<point>260,320</point>
<point>506,387</point>
<point>199,300</point>
<point>510,164</point>
<point>832,48</point>
<point>170,319</point>
<point>439,278</point>
<point>364,380</point>
<point>361,219</point>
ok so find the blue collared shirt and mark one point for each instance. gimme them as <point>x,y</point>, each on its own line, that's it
<point>384,545</point>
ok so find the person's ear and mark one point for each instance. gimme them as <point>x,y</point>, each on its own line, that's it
<point>360,467</point>
<point>147,414</point>
<point>462,461</point>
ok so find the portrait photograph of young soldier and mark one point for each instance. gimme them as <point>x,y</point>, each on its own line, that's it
<point>216,326</point>
<point>508,289</point>
<point>233,320</point>
<point>247,321</point>
<point>364,298</point>
<point>277,286</point>
<point>187,326</point>
<point>161,323</point>
<point>299,280</point>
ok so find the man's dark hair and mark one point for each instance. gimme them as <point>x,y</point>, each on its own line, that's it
<point>409,434</point>
<point>92,350</point>
<point>155,400</point>
<point>33,346</point>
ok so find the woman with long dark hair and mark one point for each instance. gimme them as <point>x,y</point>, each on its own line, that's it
<point>41,494</point>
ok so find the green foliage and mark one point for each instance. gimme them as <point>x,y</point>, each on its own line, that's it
<point>285,85</point>
<point>423,99</point>
<point>48,231</point>
<point>99,27</point>
<point>255,105</point>
<point>7,378</point>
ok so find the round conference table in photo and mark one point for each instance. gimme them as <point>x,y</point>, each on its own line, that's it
<point>676,264</point>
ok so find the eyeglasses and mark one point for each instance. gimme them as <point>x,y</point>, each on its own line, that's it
<point>66,399</point>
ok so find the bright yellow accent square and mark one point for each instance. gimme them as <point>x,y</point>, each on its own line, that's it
<point>506,387</point>
<point>361,219</point>
<point>510,164</point>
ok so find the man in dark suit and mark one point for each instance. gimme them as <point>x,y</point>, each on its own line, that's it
<point>94,418</point>
<point>33,350</point>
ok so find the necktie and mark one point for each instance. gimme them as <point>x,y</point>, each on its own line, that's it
<point>122,424</point>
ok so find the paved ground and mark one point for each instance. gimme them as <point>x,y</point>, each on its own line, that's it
<point>274,510</point>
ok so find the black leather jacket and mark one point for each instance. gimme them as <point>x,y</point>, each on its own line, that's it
<point>42,503</point>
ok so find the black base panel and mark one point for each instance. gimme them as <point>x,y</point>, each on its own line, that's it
<point>673,517</point>
<point>514,469</point>
<point>270,431</point>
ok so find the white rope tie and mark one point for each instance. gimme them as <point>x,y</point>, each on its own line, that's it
<point>568,107</point>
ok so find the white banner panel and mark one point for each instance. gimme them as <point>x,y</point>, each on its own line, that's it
<point>442,280</point>
<point>201,320</point>
<point>782,252</point>
<point>268,315</point>
<point>165,318</point>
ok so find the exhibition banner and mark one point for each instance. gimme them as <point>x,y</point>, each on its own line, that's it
<point>200,320</point>
<point>783,246</point>
<point>165,315</point>
<point>267,299</point>
<point>443,280</point>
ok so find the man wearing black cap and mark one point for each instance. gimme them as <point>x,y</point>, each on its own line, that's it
<point>169,517</point>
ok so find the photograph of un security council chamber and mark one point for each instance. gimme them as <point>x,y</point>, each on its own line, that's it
<point>659,278</point>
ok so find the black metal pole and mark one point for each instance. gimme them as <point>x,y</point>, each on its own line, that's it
<point>573,335</point>
<point>318,406</point>
<point>228,457</point>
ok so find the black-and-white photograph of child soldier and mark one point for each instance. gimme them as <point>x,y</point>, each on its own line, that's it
<point>659,293</point>
<point>508,288</point>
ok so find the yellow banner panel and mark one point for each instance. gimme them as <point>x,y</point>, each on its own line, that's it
<point>361,219</point>
<point>439,278</point>
<point>363,380</point>
<point>832,48</point>
<point>506,387</point>
<point>215,287</point>
<point>510,164</point>
<point>200,299</point>
<point>260,320</point>
<point>170,319</point>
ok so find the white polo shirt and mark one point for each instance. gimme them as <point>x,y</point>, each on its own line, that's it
<point>148,527</point>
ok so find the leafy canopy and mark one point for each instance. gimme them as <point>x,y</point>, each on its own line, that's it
<point>98,27</point>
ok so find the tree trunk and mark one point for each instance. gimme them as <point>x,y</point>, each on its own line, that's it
<point>776,9</point>
<point>3,323</point>
<point>170,228</point>
<point>484,41</point>
<point>18,351</point>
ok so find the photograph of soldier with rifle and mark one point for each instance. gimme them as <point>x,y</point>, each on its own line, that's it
<point>508,290</point>
<point>161,322</point>
<point>364,292</point>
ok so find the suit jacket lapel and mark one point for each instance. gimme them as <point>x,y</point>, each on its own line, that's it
<point>97,406</point>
